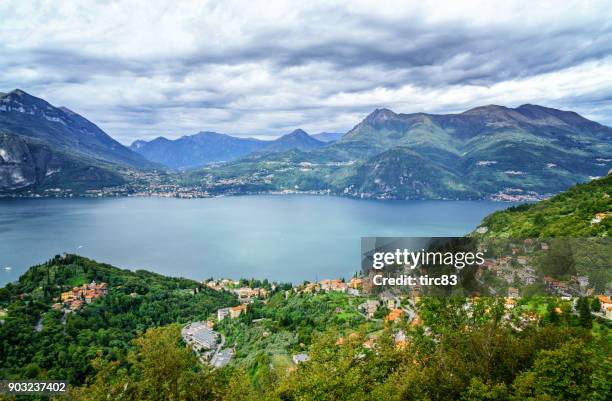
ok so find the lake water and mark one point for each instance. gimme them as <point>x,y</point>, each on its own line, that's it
<point>283,238</point>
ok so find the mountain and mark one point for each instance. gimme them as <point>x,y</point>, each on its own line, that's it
<point>196,150</point>
<point>298,139</point>
<point>585,210</point>
<point>328,136</point>
<point>209,147</point>
<point>41,144</point>
<point>496,152</point>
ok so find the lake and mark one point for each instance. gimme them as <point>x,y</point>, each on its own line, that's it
<point>283,238</point>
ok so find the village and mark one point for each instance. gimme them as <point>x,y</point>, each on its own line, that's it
<point>77,297</point>
<point>386,307</point>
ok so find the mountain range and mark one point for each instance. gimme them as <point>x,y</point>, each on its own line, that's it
<point>208,147</point>
<point>44,145</point>
<point>493,152</point>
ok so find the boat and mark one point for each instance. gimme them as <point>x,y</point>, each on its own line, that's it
<point>8,268</point>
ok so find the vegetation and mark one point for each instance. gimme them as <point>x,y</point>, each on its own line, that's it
<point>569,214</point>
<point>127,345</point>
<point>461,356</point>
<point>66,344</point>
<point>286,325</point>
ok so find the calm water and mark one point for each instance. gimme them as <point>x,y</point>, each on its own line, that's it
<point>285,238</point>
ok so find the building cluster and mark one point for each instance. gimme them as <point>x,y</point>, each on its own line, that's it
<point>245,294</point>
<point>387,300</point>
<point>353,287</point>
<point>576,286</point>
<point>503,268</point>
<point>207,343</point>
<point>78,296</point>
<point>200,336</point>
<point>232,312</point>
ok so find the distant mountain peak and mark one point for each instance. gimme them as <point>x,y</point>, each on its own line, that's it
<point>297,132</point>
<point>206,134</point>
<point>20,95</point>
<point>489,109</point>
<point>380,116</point>
<point>31,117</point>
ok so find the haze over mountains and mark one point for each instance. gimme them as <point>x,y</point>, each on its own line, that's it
<point>485,152</point>
<point>208,147</point>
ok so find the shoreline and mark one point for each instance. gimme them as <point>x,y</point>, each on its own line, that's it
<point>177,195</point>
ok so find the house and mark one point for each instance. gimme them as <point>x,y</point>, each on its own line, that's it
<point>76,304</point>
<point>609,313</point>
<point>583,281</point>
<point>513,292</point>
<point>89,297</point>
<point>416,321</point>
<point>604,302</point>
<point>395,315</point>
<point>299,358</point>
<point>356,283</point>
<point>599,217</point>
<point>66,296</point>
<point>526,276</point>
<point>370,306</point>
<point>354,292</point>
<point>236,311</point>
<point>223,313</point>
<point>333,285</point>
<point>522,260</point>
<point>369,343</point>
<point>389,300</point>
<point>400,339</point>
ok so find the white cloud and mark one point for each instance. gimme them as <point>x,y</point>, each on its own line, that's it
<point>150,68</point>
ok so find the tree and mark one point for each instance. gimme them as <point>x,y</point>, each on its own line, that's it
<point>584,312</point>
<point>559,261</point>
<point>596,305</point>
<point>563,374</point>
<point>479,391</point>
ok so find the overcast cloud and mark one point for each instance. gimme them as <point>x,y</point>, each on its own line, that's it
<point>141,69</point>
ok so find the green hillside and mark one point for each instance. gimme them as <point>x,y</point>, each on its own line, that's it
<point>38,341</point>
<point>577,212</point>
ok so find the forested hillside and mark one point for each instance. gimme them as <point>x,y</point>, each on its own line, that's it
<point>37,341</point>
<point>455,353</point>
<point>583,210</point>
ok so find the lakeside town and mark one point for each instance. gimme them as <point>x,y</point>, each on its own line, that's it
<point>398,310</point>
<point>169,184</point>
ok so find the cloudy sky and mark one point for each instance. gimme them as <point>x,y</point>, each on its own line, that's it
<point>141,69</point>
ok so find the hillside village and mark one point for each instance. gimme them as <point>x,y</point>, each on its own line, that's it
<point>87,293</point>
<point>397,309</point>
